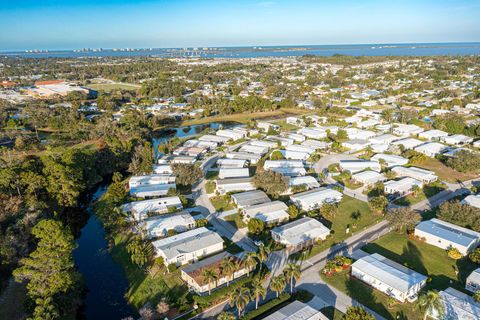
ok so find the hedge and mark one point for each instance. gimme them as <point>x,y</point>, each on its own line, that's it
<point>267,306</point>
<point>220,294</point>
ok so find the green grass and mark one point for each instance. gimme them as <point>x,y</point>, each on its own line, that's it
<point>284,126</point>
<point>425,193</point>
<point>331,313</point>
<point>443,172</point>
<point>347,208</point>
<point>221,203</point>
<point>236,220</point>
<point>113,86</point>
<point>210,187</point>
<point>419,256</point>
<point>350,184</point>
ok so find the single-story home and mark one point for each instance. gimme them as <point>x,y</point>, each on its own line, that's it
<point>458,306</point>
<point>313,133</point>
<point>356,144</point>
<point>152,179</point>
<point>252,158</point>
<point>389,277</point>
<point>380,147</point>
<point>212,138</point>
<point>308,181</point>
<point>294,121</point>
<point>190,151</point>
<point>318,145</point>
<point>225,173</point>
<point>296,137</point>
<point>472,283</point>
<point>296,310</point>
<point>367,123</point>
<point>140,209</point>
<point>407,129</point>
<point>188,246</point>
<point>391,160</point>
<point>408,143</point>
<point>193,274</point>
<point>282,140</point>
<point>263,143</point>
<point>294,155</point>
<point>234,184</point>
<point>368,177</point>
<point>446,235</point>
<point>472,200</point>
<point>359,165</point>
<point>269,212</point>
<point>248,148</point>
<point>300,148</point>
<point>272,164</point>
<point>401,187</point>
<point>300,233</point>
<point>433,134</point>
<point>457,139</point>
<point>249,198</point>
<point>152,190</point>
<point>231,163</point>
<point>290,171</point>
<point>201,144</point>
<point>230,134</point>
<point>431,149</point>
<point>354,133</point>
<point>383,138</point>
<point>163,169</point>
<point>167,159</point>
<point>314,199</point>
<point>265,126</point>
<point>426,176</point>
<point>157,226</point>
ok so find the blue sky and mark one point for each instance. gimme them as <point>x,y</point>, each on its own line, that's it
<point>70,24</point>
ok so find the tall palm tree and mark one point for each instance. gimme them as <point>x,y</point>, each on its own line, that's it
<point>262,255</point>
<point>209,276</point>
<point>249,261</point>
<point>431,302</point>
<point>258,290</point>
<point>277,284</point>
<point>228,267</point>
<point>239,298</point>
<point>292,272</point>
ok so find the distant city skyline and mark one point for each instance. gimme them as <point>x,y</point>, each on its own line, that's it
<point>55,25</point>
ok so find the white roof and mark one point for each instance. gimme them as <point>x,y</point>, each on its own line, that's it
<point>167,222</point>
<point>358,165</point>
<point>301,230</point>
<point>432,134</point>
<point>461,236</point>
<point>368,177</point>
<point>431,147</point>
<point>408,143</point>
<point>269,211</point>
<point>152,190</point>
<point>414,172</point>
<point>404,184</point>
<point>388,272</point>
<point>458,138</point>
<point>390,159</point>
<point>254,149</point>
<point>460,306</point>
<point>269,164</point>
<point>315,196</point>
<point>249,198</point>
<point>210,137</point>
<point>384,138</point>
<point>296,311</point>
<point>295,155</point>
<point>141,208</point>
<point>315,144</point>
<point>268,144</point>
<point>231,163</point>
<point>151,179</point>
<point>225,173</point>
<point>310,181</point>
<point>472,200</point>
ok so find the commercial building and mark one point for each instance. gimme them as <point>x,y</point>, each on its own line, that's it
<point>389,277</point>
<point>189,246</point>
<point>447,235</point>
<point>314,199</point>
<point>300,233</point>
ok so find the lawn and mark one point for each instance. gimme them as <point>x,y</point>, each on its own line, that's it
<point>445,173</point>
<point>421,257</point>
<point>210,187</point>
<point>221,203</point>
<point>348,183</point>
<point>284,126</point>
<point>425,193</point>
<point>113,86</point>
<point>351,213</point>
<point>236,220</point>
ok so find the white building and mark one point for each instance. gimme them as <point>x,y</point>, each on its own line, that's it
<point>163,169</point>
<point>457,139</point>
<point>226,173</point>
<point>231,163</point>
<point>408,143</point>
<point>472,283</point>
<point>152,179</point>
<point>368,123</point>
<point>446,235</point>
<point>296,137</point>
<point>391,160</point>
<point>140,209</point>
<point>230,134</point>
<point>426,176</point>
<point>252,158</point>
<point>263,143</point>
<point>318,145</point>
<point>307,181</point>
<point>248,148</point>
<point>401,187</point>
<point>272,164</point>
<point>189,246</point>
<point>234,185</point>
<point>249,198</point>
<point>472,200</point>
<point>294,155</point>
<point>157,226</point>
<point>296,310</point>
<point>458,306</point>
<point>431,149</point>
<point>212,138</point>
<point>359,165</point>
<point>153,190</point>
<point>282,140</point>
<point>356,144</point>
<point>265,126</point>
<point>313,133</point>
<point>300,233</point>
<point>300,148</point>
<point>269,212</point>
<point>432,135</point>
<point>407,130</point>
<point>354,133</point>
<point>294,121</point>
<point>383,139</point>
<point>314,199</point>
<point>389,277</point>
<point>368,177</point>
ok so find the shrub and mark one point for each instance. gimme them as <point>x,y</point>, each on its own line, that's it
<point>255,226</point>
<point>454,253</point>
<point>475,256</point>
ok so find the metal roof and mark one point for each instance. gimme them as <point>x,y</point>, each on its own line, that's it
<point>448,231</point>
<point>296,311</point>
<point>250,198</point>
<point>459,305</point>
<point>301,230</point>
<point>388,272</point>
<point>320,195</point>
<point>269,211</point>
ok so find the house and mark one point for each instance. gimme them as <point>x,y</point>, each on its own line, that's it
<point>354,133</point>
<point>313,133</point>
<point>314,199</point>
<point>230,134</point>
<point>300,233</point>
<point>458,306</point>
<point>401,187</point>
<point>212,138</point>
<point>308,181</point>
<point>391,160</point>
<point>432,135</point>
<point>446,235</point>
<point>426,176</point>
<point>265,126</point>
<point>263,143</point>
<point>231,163</point>
<point>294,155</point>
<point>234,184</point>
<point>389,277</point>
<point>431,149</point>
<point>225,173</point>
<point>294,121</point>
<point>383,139</point>
<point>190,151</point>
<point>457,139</point>
<point>472,283</point>
<point>318,145</point>
<point>405,130</point>
<point>472,200</point>
<point>248,148</point>
<point>281,140</point>
<point>163,169</point>
<point>380,148</point>
<point>249,198</point>
<point>408,143</point>
<point>158,226</point>
<point>296,137</point>
<point>359,165</point>
<point>300,148</point>
<point>193,274</point>
<point>272,164</point>
<point>152,190</point>
<point>356,144</point>
<point>209,145</point>
<point>188,246</point>
<point>140,209</point>
<point>176,159</point>
<point>252,158</point>
<point>368,177</point>
<point>152,179</point>
<point>269,212</point>
<point>296,310</point>
<point>367,123</point>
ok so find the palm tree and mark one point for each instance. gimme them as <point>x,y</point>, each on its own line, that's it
<point>209,276</point>
<point>431,302</point>
<point>239,298</point>
<point>277,284</point>
<point>250,261</point>
<point>292,271</point>
<point>262,255</point>
<point>228,267</point>
<point>258,290</point>
<point>226,316</point>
